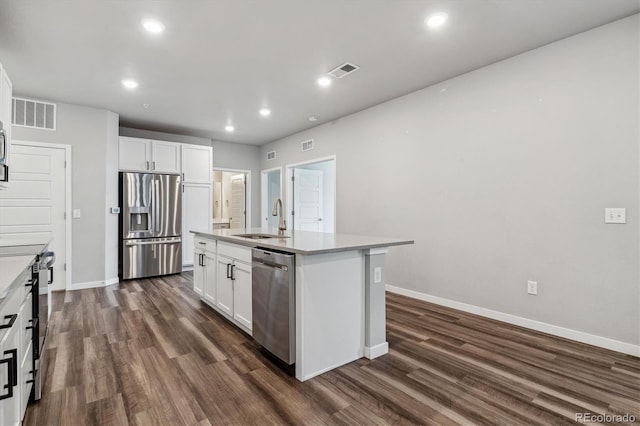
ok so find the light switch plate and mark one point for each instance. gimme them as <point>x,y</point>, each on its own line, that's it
<point>76,213</point>
<point>115,210</point>
<point>377,275</point>
<point>532,287</point>
<point>615,215</point>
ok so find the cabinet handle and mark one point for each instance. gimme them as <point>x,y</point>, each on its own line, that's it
<point>228,273</point>
<point>147,165</point>
<point>50,279</point>
<point>202,242</point>
<point>153,167</point>
<point>12,319</point>
<point>233,275</point>
<point>32,375</point>
<point>30,283</point>
<point>182,175</point>
<point>34,323</point>
<point>12,375</point>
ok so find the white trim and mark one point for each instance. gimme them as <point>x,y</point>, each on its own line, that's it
<point>68,196</point>
<point>376,351</point>
<point>112,281</point>
<point>88,284</point>
<point>247,206</point>
<point>264,190</point>
<point>567,333</point>
<point>289,195</point>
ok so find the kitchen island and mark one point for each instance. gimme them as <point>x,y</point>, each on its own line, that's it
<point>339,291</point>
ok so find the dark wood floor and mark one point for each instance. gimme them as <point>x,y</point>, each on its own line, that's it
<point>149,352</point>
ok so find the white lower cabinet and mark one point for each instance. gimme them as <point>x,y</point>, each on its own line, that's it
<point>225,285</point>
<point>210,290</point>
<point>198,271</point>
<point>242,294</point>
<point>16,351</point>
<point>223,280</point>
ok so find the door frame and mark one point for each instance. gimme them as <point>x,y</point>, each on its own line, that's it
<point>68,202</point>
<point>264,207</point>
<point>247,193</point>
<point>289,187</point>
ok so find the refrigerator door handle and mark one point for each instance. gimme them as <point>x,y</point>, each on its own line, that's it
<point>157,207</point>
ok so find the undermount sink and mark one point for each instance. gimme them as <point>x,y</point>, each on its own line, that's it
<point>259,236</point>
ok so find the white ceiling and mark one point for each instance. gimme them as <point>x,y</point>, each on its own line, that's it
<point>220,61</point>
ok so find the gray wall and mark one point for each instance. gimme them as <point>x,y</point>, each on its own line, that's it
<point>501,176</point>
<point>225,156</point>
<point>88,131</point>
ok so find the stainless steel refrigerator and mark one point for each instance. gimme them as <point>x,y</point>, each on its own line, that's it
<point>150,225</point>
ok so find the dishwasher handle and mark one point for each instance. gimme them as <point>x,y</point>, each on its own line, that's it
<point>271,265</point>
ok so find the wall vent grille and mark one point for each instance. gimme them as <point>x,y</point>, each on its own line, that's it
<point>35,114</point>
<point>307,145</point>
<point>344,69</point>
<point>271,155</point>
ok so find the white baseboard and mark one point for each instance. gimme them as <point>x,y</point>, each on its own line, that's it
<point>567,333</point>
<point>112,281</point>
<point>89,284</point>
<point>376,351</point>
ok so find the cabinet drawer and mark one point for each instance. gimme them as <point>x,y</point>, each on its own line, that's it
<point>205,244</point>
<point>235,251</point>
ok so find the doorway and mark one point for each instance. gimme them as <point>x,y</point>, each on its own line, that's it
<point>35,203</point>
<point>271,181</point>
<point>231,206</point>
<point>311,193</point>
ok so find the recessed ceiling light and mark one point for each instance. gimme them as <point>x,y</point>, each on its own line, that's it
<point>153,26</point>
<point>436,20</point>
<point>229,128</point>
<point>313,118</point>
<point>324,81</point>
<point>265,112</point>
<point>145,106</point>
<point>129,84</point>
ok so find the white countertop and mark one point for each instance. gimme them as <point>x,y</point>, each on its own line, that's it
<point>11,268</point>
<point>303,242</point>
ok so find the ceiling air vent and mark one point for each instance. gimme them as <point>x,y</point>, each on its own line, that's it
<point>307,145</point>
<point>36,114</point>
<point>271,155</point>
<point>342,70</point>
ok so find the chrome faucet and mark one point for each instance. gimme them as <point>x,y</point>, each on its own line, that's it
<point>282,224</point>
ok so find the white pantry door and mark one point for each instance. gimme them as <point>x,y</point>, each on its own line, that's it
<point>307,200</point>
<point>238,198</point>
<point>34,204</point>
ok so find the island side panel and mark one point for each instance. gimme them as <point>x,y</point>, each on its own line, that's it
<point>329,311</point>
<point>375,340</point>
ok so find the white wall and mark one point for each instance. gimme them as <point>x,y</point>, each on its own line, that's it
<point>225,156</point>
<point>89,131</point>
<point>501,176</point>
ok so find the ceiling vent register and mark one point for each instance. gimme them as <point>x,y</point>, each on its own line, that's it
<point>307,145</point>
<point>344,69</point>
<point>35,114</point>
<point>271,155</point>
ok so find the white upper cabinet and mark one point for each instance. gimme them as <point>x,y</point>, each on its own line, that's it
<point>6,93</point>
<point>135,154</point>
<point>144,155</point>
<point>197,164</point>
<point>165,157</point>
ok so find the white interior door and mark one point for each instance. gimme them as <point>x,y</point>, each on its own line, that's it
<point>307,200</point>
<point>237,201</point>
<point>34,204</point>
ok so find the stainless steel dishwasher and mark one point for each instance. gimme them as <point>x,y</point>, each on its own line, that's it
<point>274,303</point>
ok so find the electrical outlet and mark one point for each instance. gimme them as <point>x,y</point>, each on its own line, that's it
<point>615,215</point>
<point>532,287</point>
<point>76,213</point>
<point>115,210</point>
<point>377,275</point>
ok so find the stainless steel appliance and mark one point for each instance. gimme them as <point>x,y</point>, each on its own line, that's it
<point>4,152</point>
<point>150,225</point>
<point>42,276</point>
<point>273,302</point>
